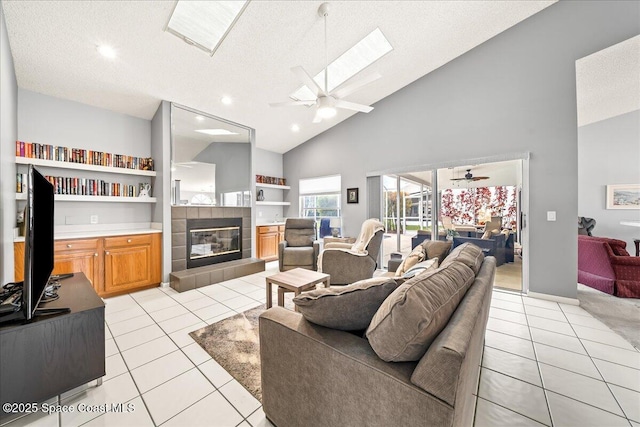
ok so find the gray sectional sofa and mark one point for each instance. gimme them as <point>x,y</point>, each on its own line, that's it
<point>317,376</point>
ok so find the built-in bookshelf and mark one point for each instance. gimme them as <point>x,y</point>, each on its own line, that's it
<point>110,199</point>
<point>83,189</point>
<point>32,150</point>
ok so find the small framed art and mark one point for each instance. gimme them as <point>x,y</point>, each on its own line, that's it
<point>352,195</point>
<point>623,196</point>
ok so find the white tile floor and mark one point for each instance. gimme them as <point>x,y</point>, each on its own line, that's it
<point>544,363</point>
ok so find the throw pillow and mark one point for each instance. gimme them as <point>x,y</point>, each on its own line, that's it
<point>421,267</point>
<point>417,255</point>
<point>468,254</point>
<point>411,317</point>
<point>437,248</point>
<point>347,308</point>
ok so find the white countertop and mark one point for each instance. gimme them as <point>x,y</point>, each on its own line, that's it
<point>261,224</point>
<point>86,234</point>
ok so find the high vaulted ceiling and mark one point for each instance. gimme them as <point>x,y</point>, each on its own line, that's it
<point>54,50</point>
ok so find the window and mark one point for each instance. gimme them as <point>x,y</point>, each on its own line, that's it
<point>320,199</point>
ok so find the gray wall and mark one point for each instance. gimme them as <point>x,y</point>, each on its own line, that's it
<point>161,153</point>
<point>609,153</point>
<point>49,120</point>
<point>8,136</point>
<point>268,163</point>
<point>512,94</point>
<point>233,165</point>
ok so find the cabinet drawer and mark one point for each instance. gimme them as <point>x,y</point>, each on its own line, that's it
<point>75,245</point>
<point>123,241</point>
<point>281,228</point>
<point>268,229</point>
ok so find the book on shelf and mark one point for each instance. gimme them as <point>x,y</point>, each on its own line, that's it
<point>34,150</point>
<point>82,186</point>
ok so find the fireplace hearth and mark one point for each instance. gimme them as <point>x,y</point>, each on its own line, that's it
<point>213,240</point>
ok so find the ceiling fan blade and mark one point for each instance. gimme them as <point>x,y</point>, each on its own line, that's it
<point>480,178</point>
<point>291,103</point>
<point>317,118</point>
<point>340,103</point>
<point>341,92</point>
<point>308,80</point>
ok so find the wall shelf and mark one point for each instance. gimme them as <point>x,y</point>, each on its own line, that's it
<point>280,187</point>
<point>111,199</point>
<point>273,203</point>
<point>82,166</point>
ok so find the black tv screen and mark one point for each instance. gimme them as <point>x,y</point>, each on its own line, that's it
<point>38,250</point>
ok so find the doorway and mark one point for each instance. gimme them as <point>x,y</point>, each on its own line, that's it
<point>469,197</point>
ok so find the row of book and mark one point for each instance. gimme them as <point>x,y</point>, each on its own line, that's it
<point>82,186</point>
<point>34,150</point>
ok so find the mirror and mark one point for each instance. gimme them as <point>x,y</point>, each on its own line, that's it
<point>210,160</point>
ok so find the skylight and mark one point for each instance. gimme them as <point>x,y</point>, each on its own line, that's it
<point>216,132</point>
<point>364,53</point>
<point>204,24</point>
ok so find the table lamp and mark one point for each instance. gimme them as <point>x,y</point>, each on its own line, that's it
<point>335,224</point>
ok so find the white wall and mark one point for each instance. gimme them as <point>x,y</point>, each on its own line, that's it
<point>609,153</point>
<point>514,93</point>
<point>8,136</point>
<point>161,152</point>
<point>48,120</point>
<point>268,163</point>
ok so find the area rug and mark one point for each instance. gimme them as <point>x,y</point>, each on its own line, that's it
<point>620,314</point>
<point>233,343</point>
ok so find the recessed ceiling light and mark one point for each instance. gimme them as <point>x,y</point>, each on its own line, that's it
<point>364,53</point>
<point>200,118</point>
<point>216,132</point>
<point>226,100</point>
<point>204,24</point>
<point>106,51</point>
<point>295,128</point>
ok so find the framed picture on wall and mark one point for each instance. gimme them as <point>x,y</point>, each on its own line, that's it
<point>352,195</point>
<point>623,196</point>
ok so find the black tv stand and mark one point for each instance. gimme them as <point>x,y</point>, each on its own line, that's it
<point>50,355</point>
<point>50,311</point>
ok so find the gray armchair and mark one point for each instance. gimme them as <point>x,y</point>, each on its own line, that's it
<point>346,268</point>
<point>299,248</point>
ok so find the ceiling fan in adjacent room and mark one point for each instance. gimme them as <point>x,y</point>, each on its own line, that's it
<point>469,177</point>
<point>327,101</point>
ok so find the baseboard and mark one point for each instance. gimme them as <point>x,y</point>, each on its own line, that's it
<point>164,284</point>
<point>555,298</point>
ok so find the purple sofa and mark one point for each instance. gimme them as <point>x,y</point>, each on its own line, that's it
<point>605,265</point>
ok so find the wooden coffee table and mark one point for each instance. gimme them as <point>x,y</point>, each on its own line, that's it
<point>296,281</point>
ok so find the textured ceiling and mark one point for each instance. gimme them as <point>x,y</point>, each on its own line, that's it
<point>54,49</point>
<point>608,82</point>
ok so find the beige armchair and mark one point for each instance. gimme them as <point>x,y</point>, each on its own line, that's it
<point>347,263</point>
<point>299,248</point>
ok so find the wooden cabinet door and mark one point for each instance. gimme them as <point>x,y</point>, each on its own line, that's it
<point>268,246</point>
<point>87,262</point>
<point>18,261</point>
<point>83,255</point>
<point>127,267</point>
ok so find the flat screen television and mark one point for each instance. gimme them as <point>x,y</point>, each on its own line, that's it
<point>38,247</point>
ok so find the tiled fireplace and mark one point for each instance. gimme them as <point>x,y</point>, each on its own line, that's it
<point>213,240</point>
<point>210,245</point>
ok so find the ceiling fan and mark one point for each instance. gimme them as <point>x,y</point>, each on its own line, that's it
<point>327,101</point>
<point>469,177</point>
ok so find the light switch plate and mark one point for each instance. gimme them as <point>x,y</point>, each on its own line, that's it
<point>94,219</point>
<point>551,215</point>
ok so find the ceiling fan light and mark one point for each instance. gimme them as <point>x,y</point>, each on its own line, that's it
<point>327,112</point>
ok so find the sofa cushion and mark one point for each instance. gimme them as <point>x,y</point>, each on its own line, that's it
<point>436,248</point>
<point>300,237</point>
<point>414,314</point>
<point>298,256</point>
<point>347,308</point>
<point>421,268</point>
<point>468,254</point>
<point>417,255</point>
